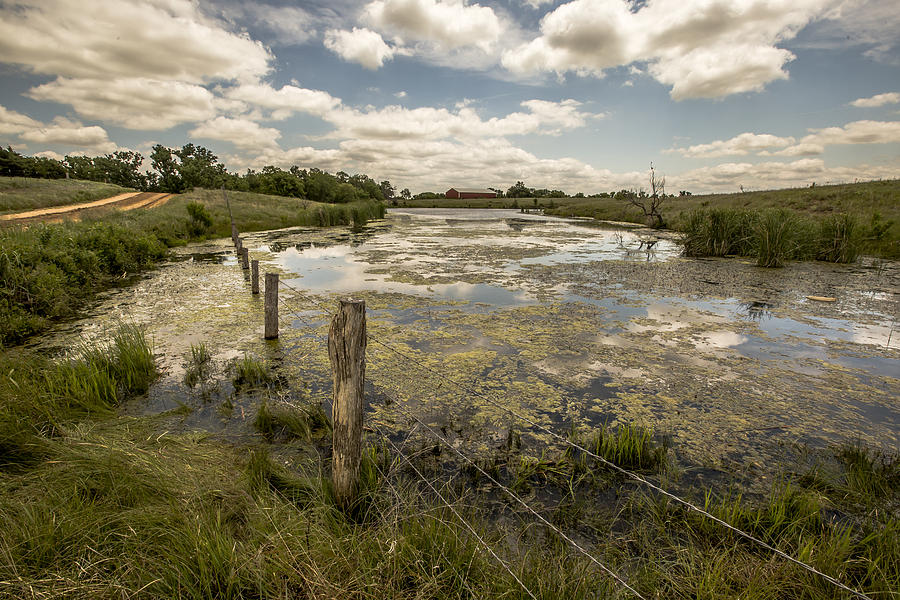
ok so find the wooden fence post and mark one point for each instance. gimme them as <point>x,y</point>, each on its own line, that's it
<point>347,351</point>
<point>245,259</point>
<point>234,234</point>
<point>271,306</point>
<point>254,276</point>
<point>238,244</point>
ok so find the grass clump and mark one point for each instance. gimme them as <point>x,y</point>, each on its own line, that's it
<point>628,446</point>
<point>839,239</point>
<point>198,366</point>
<point>285,420</point>
<point>250,372</point>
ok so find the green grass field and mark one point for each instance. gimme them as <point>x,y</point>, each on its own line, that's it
<point>22,193</point>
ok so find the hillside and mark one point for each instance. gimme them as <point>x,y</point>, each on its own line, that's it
<point>24,193</point>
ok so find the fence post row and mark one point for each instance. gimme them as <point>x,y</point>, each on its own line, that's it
<point>271,306</point>
<point>347,351</point>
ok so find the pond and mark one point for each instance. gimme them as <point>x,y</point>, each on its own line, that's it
<point>566,322</point>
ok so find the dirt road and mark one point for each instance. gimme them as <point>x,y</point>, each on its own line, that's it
<point>127,201</point>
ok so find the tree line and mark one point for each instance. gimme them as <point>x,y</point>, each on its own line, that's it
<point>176,170</point>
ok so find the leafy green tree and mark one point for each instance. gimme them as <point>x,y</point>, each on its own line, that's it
<point>198,167</point>
<point>168,177</point>
<point>387,190</point>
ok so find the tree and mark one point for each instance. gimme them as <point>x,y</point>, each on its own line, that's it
<point>519,191</point>
<point>649,205</point>
<point>406,194</point>
<point>163,162</point>
<point>387,190</point>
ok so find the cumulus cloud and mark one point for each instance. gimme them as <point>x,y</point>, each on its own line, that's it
<point>98,39</point>
<point>877,100</point>
<point>702,49</point>
<point>399,123</point>
<point>768,175</point>
<point>92,139</point>
<point>362,46</point>
<point>745,143</point>
<point>14,122</point>
<point>857,132</point>
<point>133,103</point>
<point>285,101</point>
<point>243,133</point>
<point>447,23</point>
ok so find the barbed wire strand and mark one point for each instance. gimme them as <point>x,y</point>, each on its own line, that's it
<point>456,513</point>
<point>613,466</point>
<point>626,472</point>
<point>524,504</point>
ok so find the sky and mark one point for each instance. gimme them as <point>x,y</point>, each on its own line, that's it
<point>577,95</point>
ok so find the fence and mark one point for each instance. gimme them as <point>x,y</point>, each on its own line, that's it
<point>347,343</point>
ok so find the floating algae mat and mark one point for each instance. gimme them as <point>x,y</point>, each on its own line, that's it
<point>569,324</point>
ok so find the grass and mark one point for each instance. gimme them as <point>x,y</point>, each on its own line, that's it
<point>773,236</point>
<point>251,373</point>
<point>49,271</point>
<point>198,366</point>
<point>19,194</point>
<point>286,421</point>
<point>100,506</point>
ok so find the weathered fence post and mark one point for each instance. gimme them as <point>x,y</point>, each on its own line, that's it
<point>271,306</point>
<point>234,234</point>
<point>238,244</point>
<point>245,259</point>
<point>347,351</point>
<point>254,276</point>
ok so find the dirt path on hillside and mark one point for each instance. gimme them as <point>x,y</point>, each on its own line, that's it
<point>126,201</point>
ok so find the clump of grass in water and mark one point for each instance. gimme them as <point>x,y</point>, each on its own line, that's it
<point>869,474</point>
<point>775,237</point>
<point>290,421</point>
<point>100,373</point>
<point>198,367</point>
<point>629,446</point>
<point>838,239</point>
<point>250,372</point>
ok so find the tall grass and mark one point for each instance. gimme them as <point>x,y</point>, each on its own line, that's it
<point>773,236</point>
<point>249,372</point>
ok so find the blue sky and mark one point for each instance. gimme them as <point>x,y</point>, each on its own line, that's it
<point>579,95</point>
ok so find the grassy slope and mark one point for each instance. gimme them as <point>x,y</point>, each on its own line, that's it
<point>862,200</point>
<point>48,271</point>
<point>25,193</point>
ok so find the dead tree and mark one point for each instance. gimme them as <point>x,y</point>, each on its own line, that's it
<point>650,205</point>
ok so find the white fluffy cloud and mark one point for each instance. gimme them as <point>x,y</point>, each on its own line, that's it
<point>399,123</point>
<point>284,101</point>
<point>447,23</point>
<point>770,175</point>
<point>702,48</point>
<point>13,122</point>
<point>877,100</point>
<point>745,143</point>
<point>91,139</point>
<point>134,103</point>
<point>244,134</point>
<point>362,46</point>
<point>857,132</point>
<point>99,39</point>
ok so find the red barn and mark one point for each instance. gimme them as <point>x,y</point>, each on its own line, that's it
<point>463,193</point>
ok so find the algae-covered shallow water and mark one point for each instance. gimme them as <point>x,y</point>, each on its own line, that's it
<point>566,322</point>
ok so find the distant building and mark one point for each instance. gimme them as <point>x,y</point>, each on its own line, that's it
<point>463,193</point>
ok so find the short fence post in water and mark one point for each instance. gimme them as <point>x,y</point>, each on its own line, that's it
<point>254,276</point>
<point>347,351</point>
<point>238,244</point>
<point>234,234</point>
<point>271,306</point>
<point>245,259</point>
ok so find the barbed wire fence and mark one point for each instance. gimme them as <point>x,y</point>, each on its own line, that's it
<point>272,319</point>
